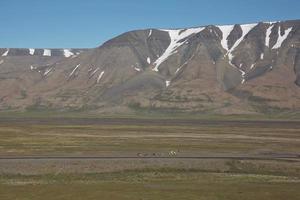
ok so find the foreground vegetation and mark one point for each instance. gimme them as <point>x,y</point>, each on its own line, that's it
<point>136,179</point>
<point>150,184</point>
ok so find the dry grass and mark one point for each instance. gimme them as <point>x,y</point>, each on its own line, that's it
<point>131,139</point>
<point>151,179</point>
<point>150,185</point>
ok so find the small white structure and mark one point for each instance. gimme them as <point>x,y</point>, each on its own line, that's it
<point>172,153</point>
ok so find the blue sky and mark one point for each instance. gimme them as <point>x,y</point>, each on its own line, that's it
<point>88,23</point>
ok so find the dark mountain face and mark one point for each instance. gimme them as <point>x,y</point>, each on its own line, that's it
<point>251,68</point>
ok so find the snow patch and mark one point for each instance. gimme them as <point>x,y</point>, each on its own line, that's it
<point>176,37</point>
<point>68,53</point>
<point>243,72</point>
<point>252,66</point>
<point>262,55</point>
<point>47,52</point>
<point>246,28</point>
<point>149,60</point>
<point>178,69</point>
<point>31,51</point>
<point>230,58</point>
<point>94,71</point>
<point>282,38</point>
<point>32,67</point>
<point>47,71</point>
<point>273,22</point>
<point>137,69</point>
<point>185,63</point>
<point>74,70</point>
<point>168,83</point>
<point>74,56</point>
<point>268,33</point>
<point>243,76</point>
<point>226,30</point>
<point>150,33</point>
<point>100,76</point>
<point>5,53</point>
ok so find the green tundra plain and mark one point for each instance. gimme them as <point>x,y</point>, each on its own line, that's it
<point>89,158</point>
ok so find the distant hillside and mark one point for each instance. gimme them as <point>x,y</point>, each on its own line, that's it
<point>228,69</point>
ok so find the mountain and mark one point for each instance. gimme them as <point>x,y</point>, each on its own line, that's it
<point>228,69</point>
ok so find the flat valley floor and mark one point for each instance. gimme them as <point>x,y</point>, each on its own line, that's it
<point>141,159</point>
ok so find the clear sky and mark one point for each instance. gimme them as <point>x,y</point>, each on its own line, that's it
<point>88,23</point>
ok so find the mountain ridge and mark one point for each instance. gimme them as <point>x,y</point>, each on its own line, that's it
<point>210,69</point>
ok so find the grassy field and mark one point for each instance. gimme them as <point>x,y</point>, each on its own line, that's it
<point>149,114</point>
<point>156,178</point>
<point>133,139</point>
<point>151,184</point>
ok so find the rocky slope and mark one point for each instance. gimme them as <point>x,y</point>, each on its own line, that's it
<point>230,69</point>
